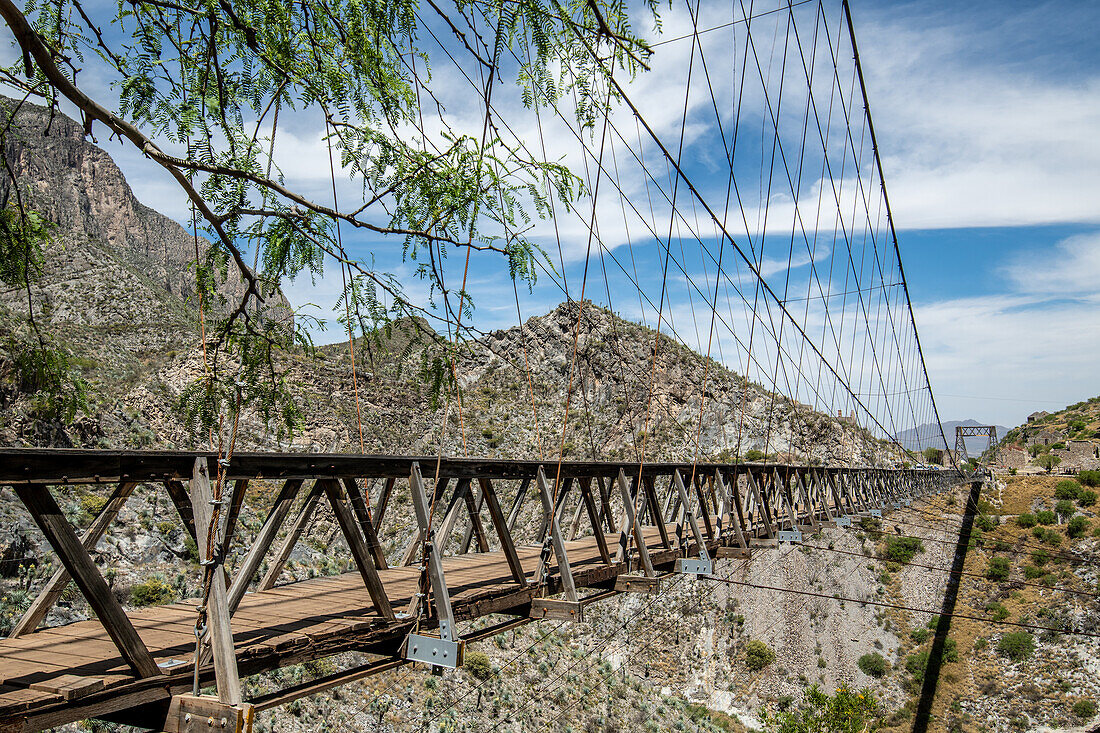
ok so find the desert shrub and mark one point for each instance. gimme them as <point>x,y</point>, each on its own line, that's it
<point>873,664</point>
<point>153,592</point>
<point>758,655</point>
<point>1084,709</point>
<point>1031,572</point>
<point>1046,517</point>
<point>1077,527</point>
<point>1089,478</point>
<point>1058,446</point>
<point>1027,521</point>
<point>986,523</point>
<point>902,549</point>
<point>1067,489</point>
<point>478,665</point>
<point>1064,508</point>
<point>1052,538</point>
<point>916,663</point>
<point>1040,557</point>
<point>1016,645</point>
<point>1087,497</point>
<point>950,651</point>
<point>997,569</point>
<point>1000,613</point>
<point>845,711</point>
<point>920,635</point>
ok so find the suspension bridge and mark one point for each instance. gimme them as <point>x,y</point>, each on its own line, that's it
<point>789,271</point>
<point>606,528</point>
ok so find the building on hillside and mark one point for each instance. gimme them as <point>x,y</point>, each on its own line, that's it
<point>1046,436</point>
<point>849,418</point>
<point>1079,455</point>
<point>1012,457</point>
<point>1037,416</point>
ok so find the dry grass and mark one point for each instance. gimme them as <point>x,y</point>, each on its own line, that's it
<point>1021,491</point>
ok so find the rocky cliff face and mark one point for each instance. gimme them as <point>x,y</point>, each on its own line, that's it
<point>78,187</point>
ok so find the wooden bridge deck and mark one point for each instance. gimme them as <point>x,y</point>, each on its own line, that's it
<point>65,667</point>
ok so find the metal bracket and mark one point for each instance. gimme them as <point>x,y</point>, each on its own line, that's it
<point>695,566</point>
<point>436,651</point>
<point>844,521</point>
<point>192,714</point>
<point>897,505</point>
<point>789,535</point>
<point>876,513</point>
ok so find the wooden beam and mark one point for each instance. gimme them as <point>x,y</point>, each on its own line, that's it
<point>359,552</point>
<point>220,633</point>
<point>275,569</point>
<point>436,578</point>
<point>594,519</point>
<point>473,507</point>
<point>61,536</point>
<point>59,581</point>
<point>630,524</point>
<point>517,503</point>
<point>503,531</point>
<point>469,536</point>
<point>361,508</point>
<point>262,542</point>
<point>556,540</point>
<point>417,541</point>
<point>240,487</point>
<point>655,510</point>
<point>383,501</point>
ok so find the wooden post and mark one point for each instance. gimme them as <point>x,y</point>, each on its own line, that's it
<point>556,541</point>
<point>217,606</point>
<point>59,533</point>
<point>737,518</point>
<point>684,499</point>
<point>473,507</point>
<point>655,511</point>
<point>630,524</point>
<point>57,583</point>
<point>442,596</point>
<point>361,507</point>
<point>346,519</point>
<point>503,532</point>
<point>594,519</point>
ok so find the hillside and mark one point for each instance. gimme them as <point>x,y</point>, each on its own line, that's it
<point>1069,439</point>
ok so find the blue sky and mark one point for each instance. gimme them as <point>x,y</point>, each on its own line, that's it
<point>988,119</point>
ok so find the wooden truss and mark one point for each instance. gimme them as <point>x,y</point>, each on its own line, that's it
<point>630,523</point>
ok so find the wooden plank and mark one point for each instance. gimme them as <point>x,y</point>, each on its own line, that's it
<point>217,603</point>
<point>361,508</point>
<point>69,686</point>
<point>359,550</point>
<point>275,569</point>
<point>503,531</point>
<point>262,542</point>
<point>57,583</point>
<point>59,533</point>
